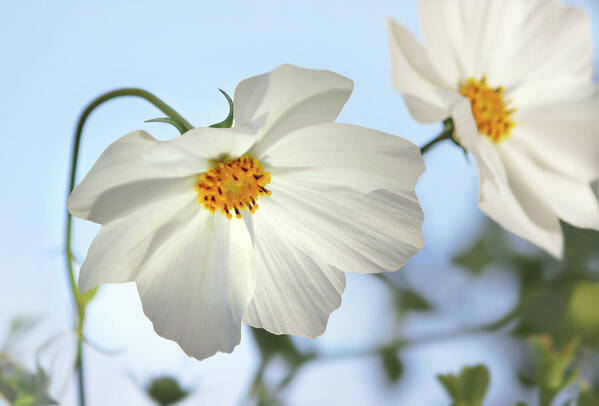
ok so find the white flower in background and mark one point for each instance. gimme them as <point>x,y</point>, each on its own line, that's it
<point>516,77</point>
<point>255,223</point>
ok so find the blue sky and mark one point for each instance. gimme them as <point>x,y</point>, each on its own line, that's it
<point>59,55</point>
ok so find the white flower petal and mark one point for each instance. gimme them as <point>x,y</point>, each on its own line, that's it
<point>413,74</point>
<point>197,285</point>
<point>135,171</point>
<point>354,232</point>
<point>120,248</point>
<point>554,41</point>
<point>424,112</point>
<point>208,143</point>
<point>562,136</point>
<point>287,98</point>
<point>442,31</point>
<point>505,196</point>
<point>341,155</point>
<point>571,199</point>
<point>294,292</point>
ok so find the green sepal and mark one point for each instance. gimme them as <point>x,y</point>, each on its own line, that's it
<point>169,120</point>
<point>227,122</point>
<point>85,298</point>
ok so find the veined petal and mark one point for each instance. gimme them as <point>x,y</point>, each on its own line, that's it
<point>341,155</point>
<point>443,37</point>
<point>554,42</point>
<point>413,74</point>
<point>287,98</point>
<point>354,232</point>
<point>209,144</point>
<point>135,171</point>
<point>562,136</point>
<point>423,111</point>
<point>197,285</point>
<point>505,196</point>
<point>571,199</point>
<point>122,245</point>
<point>294,292</point>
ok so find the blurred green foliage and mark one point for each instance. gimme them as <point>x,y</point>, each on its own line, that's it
<point>558,305</point>
<point>166,390</point>
<point>469,387</point>
<point>19,386</point>
<point>391,363</point>
<point>554,371</point>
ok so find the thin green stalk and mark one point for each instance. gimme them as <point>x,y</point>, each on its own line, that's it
<point>446,134</point>
<point>79,300</point>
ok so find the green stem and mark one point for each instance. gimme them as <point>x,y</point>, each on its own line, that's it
<point>79,302</point>
<point>447,134</point>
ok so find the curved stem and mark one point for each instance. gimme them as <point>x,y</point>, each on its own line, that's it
<point>79,300</point>
<point>447,134</point>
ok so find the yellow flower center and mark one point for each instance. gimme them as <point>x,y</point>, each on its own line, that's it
<point>233,186</point>
<point>490,109</point>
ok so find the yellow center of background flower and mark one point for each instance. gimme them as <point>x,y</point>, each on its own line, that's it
<point>233,186</point>
<point>490,109</point>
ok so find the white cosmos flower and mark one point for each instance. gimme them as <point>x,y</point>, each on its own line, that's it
<point>255,223</point>
<point>516,77</point>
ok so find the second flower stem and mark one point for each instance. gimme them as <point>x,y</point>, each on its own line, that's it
<point>81,300</point>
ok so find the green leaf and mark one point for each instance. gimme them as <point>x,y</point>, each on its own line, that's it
<point>19,327</point>
<point>451,385</point>
<point>227,122</point>
<point>474,383</point>
<point>166,391</point>
<point>583,308</point>
<point>580,243</point>
<point>554,370</point>
<point>410,300</point>
<point>392,365</point>
<point>22,387</point>
<point>469,387</point>
<point>475,259</point>
<point>588,398</point>
<point>271,345</point>
<point>169,120</point>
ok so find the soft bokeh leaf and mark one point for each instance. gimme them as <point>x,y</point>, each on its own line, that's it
<point>474,384</point>
<point>554,369</point>
<point>584,305</point>
<point>392,364</point>
<point>271,345</point>
<point>166,390</point>
<point>407,300</point>
<point>21,387</point>
<point>588,398</point>
<point>469,388</point>
<point>475,259</point>
<point>451,385</point>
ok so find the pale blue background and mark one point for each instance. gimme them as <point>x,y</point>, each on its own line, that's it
<point>58,55</point>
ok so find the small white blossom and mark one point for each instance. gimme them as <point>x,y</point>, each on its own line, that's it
<point>516,76</point>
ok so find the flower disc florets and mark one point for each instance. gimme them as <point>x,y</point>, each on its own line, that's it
<point>233,186</point>
<point>490,109</point>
